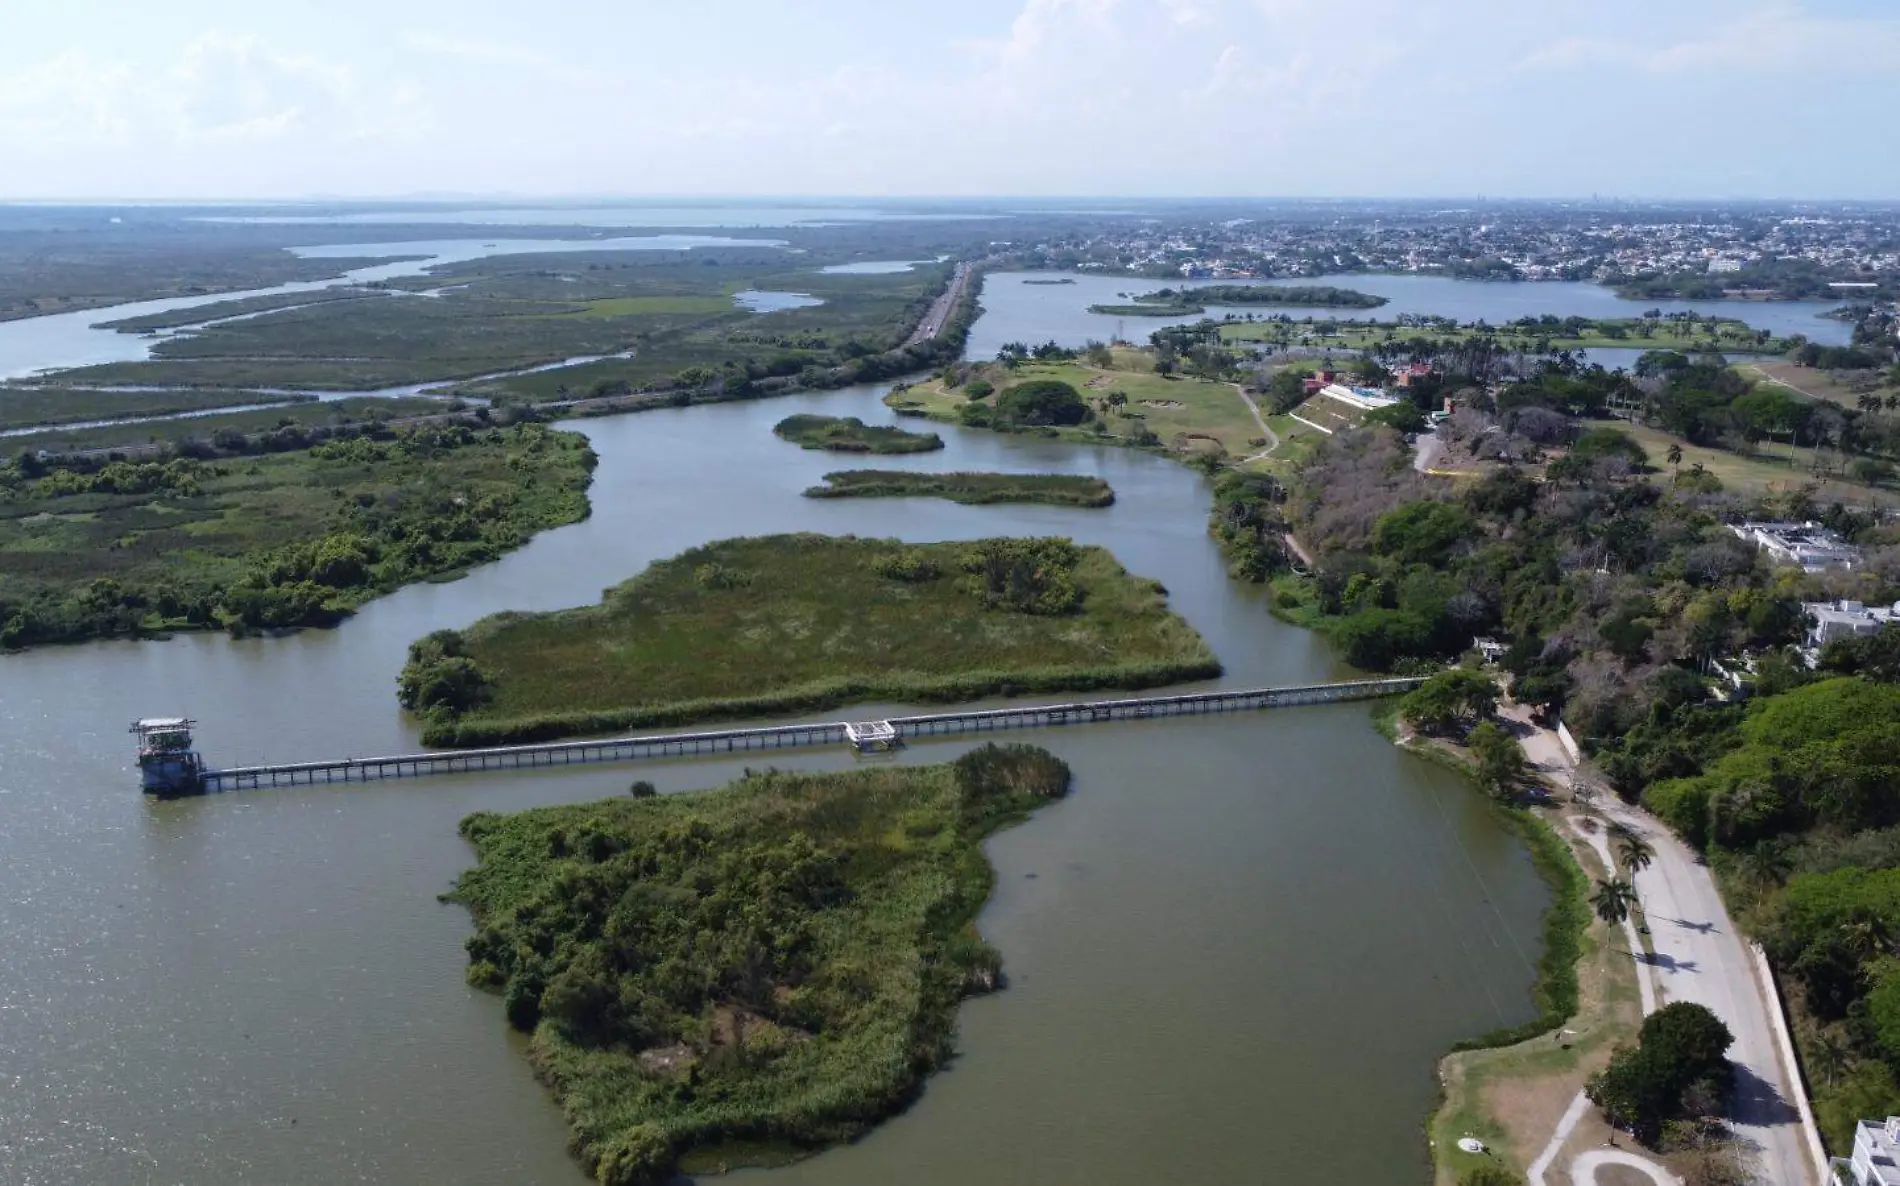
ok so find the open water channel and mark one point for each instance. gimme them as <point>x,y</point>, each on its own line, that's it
<point>1234,954</point>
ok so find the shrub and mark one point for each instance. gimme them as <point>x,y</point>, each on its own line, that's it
<point>1042,402</point>
<point>979,389</point>
<point>1422,532</point>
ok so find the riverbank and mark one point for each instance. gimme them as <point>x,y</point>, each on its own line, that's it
<point>967,488</point>
<point>799,623</point>
<point>1510,1089</point>
<point>670,1023</point>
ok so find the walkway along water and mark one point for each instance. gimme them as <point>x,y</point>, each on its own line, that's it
<point>669,745</point>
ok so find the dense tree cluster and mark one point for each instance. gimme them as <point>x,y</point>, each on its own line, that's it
<point>779,960</point>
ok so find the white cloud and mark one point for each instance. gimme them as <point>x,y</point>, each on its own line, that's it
<point>490,52</point>
<point>1776,39</point>
<point>221,88</point>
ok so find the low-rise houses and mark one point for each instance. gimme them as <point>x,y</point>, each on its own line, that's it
<point>1876,1158</point>
<point>1834,620</point>
<point>1814,547</point>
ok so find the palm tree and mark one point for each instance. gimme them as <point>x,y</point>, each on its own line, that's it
<point>1634,851</point>
<point>1675,457</point>
<point>1613,900</point>
<point>1829,1051</point>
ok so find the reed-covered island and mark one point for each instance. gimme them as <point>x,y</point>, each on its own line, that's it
<point>745,974</point>
<point>975,489</point>
<point>848,434</point>
<point>799,623</point>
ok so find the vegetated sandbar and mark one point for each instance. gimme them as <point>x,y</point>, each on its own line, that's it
<point>749,973</point>
<point>852,435</point>
<point>799,623</point>
<point>1170,302</point>
<point>971,488</point>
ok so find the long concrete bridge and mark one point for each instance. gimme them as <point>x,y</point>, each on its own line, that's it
<point>723,741</point>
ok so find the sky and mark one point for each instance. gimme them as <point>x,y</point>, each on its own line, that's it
<point>212,99</point>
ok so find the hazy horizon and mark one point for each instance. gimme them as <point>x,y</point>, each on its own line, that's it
<point>1665,100</point>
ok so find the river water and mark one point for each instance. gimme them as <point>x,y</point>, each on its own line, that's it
<point>1235,952</point>
<point>1042,312</point>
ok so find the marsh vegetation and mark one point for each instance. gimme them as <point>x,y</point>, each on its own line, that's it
<point>791,623</point>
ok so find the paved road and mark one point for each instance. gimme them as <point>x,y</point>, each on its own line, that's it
<point>1699,956</point>
<point>939,312</point>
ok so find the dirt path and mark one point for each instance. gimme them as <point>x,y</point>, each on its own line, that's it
<point>1273,438</point>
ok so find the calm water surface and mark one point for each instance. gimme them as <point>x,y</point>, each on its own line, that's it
<point>1235,952</point>
<point>1040,312</point>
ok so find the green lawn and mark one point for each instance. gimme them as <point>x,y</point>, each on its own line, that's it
<point>1187,416</point>
<point>1774,468</point>
<point>789,623</point>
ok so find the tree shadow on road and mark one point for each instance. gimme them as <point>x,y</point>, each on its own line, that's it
<point>1757,1101</point>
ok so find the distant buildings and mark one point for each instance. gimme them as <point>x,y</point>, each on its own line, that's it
<point>1847,619</point>
<point>1814,547</point>
<point>1876,1159</point>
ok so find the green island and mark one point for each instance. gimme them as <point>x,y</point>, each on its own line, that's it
<point>1185,302</point>
<point>974,489</point>
<point>848,434</point>
<point>118,548</point>
<point>798,623</point>
<point>744,975</point>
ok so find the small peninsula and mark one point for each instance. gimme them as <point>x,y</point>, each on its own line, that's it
<point>1186,302</point>
<point>974,489</point>
<point>745,974</point>
<point>799,623</point>
<point>849,434</point>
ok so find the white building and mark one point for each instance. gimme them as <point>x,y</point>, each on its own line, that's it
<point>1876,1159</point>
<point>1847,619</point>
<point>1814,547</point>
<point>1366,399</point>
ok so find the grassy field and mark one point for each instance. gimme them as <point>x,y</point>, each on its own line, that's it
<point>286,539</point>
<point>1809,382</point>
<point>1775,468</point>
<point>307,415</point>
<point>971,488</point>
<point>849,434</point>
<point>746,974</point>
<point>1183,415</point>
<point>788,623</point>
<point>25,407</point>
